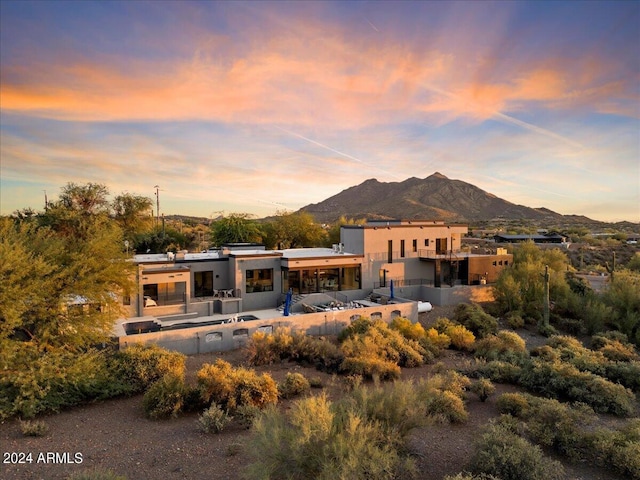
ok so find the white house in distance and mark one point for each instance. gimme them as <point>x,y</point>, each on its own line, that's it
<point>424,260</point>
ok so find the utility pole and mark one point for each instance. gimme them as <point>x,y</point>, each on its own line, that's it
<point>46,201</point>
<point>157,205</point>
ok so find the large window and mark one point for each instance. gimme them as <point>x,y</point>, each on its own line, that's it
<point>315,280</point>
<point>203,284</point>
<point>259,280</point>
<point>165,293</point>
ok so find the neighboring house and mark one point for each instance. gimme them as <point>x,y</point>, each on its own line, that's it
<point>545,238</point>
<point>244,277</point>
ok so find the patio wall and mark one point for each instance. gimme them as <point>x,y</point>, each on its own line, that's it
<point>219,338</point>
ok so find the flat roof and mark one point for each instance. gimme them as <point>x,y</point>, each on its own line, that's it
<point>313,253</point>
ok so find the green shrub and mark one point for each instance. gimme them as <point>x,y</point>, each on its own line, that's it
<point>232,387</point>
<point>293,384</point>
<point>95,474</point>
<point>502,453</point>
<point>398,407</point>
<point>615,347</point>
<point>446,405</point>
<point>505,345</point>
<point>617,449</point>
<point>315,382</point>
<point>316,351</point>
<point>483,388</point>
<point>515,320</point>
<point>475,319</point>
<point>318,439</point>
<point>470,476</point>
<point>138,366</point>
<point>246,414</point>
<point>33,428</point>
<point>213,420</point>
<point>165,398</point>
<point>562,380</point>
<point>515,404</point>
<point>501,372</point>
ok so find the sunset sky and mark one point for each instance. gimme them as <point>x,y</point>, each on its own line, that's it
<point>263,107</point>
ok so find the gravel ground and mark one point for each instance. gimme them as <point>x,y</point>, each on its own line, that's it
<point>115,435</point>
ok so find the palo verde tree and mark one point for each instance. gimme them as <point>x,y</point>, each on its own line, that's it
<point>69,265</point>
<point>294,230</point>
<point>235,228</point>
<point>61,273</point>
<point>520,289</point>
<point>132,212</point>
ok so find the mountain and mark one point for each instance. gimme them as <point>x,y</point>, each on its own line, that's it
<point>435,197</point>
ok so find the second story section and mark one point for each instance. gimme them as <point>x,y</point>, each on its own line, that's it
<point>398,239</point>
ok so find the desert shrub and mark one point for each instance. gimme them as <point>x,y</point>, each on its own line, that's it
<point>562,380</point>
<point>515,320</point>
<point>442,323</point>
<point>614,349</point>
<point>316,382</point>
<point>475,319</point>
<point>547,330</point>
<point>408,329</point>
<point>371,349</point>
<point>506,455</point>
<point>371,367</point>
<point>213,420</point>
<point>461,338</point>
<point>505,345</point>
<point>51,381</point>
<point>443,395</point>
<point>95,474</point>
<point>267,348</point>
<point>293,384</point>
<point>571,325</point>
<point>138,366</point>
<point>33,428</point>
<point>165,397</point>
<point>446,405</point>
<point>449,380</point>
<point>515,404</point>
<point>246,414</point>
<point>397,407</point>
<point>318,352</point>
<point>617,449</point>
<point>501,372</point>
<point>483,388</point>
<point>318,439</point>
<point>232,387</point>
<point>596,315</point>
<point>470,476</point>
<point>439,340</point>
<point>557,425</point>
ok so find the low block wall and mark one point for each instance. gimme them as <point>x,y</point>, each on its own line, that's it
<point>230,336</point>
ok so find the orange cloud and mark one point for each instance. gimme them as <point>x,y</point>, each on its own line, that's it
<point>311,75</point>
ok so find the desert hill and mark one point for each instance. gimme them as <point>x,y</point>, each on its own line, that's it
<point>434,197</point>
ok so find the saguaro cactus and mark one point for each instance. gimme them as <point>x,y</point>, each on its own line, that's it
<point>611,269</point>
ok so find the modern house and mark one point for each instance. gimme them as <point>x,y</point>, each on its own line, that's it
<point>551,237</point>
<point>246,277</point>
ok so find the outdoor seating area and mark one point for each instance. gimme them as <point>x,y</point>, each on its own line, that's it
<point>224,293</point>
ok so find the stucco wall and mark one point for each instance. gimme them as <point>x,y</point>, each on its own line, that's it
<point>220,338</point>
